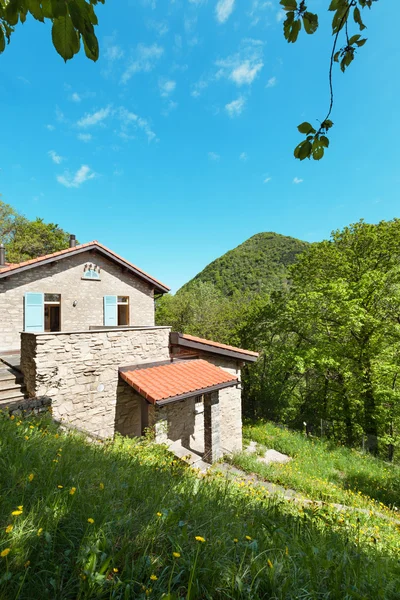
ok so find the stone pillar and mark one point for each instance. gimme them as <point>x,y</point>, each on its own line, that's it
<point>212,450</point>
<point>158,420</point>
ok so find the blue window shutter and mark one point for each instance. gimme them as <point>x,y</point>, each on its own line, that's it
<point>110,311</point>
<point>34,312</point>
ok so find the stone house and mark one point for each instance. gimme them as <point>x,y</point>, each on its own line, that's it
<point>77,331</point>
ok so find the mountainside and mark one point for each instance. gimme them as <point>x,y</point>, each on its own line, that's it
<point>259,264</point>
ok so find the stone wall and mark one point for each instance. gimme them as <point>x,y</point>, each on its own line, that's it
<point>178,421</point>
<point>65,277</point>
<point>230,400</point>
<point>79,372</point>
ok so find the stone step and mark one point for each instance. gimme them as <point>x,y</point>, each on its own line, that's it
<point>11,395</point>
<point>10,384</point>
<point>191,458</point>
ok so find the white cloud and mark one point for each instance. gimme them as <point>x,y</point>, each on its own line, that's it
<point>94,118</point>
<point>129,119</point>
<point>160,27</point>
<point>280,15</point>
<point>166,86</point>
<point>297,180</point>
<point>170,106</point>
<point>56,158</point>
<point>257,9</point>
<point>272,81</point>
<point>214,156</point>
<point>113,52</point>
<point>74,181</point>
<point>199,87</point>
<point>243,156</point>
<point>245,73</point>
<point>84,137</point>
<point>50,127</point>
<point>267,179</point>
<point>145,61</point>
<point>75,97</point>
<point>235,108</point>
<point>224,9</point>
<point>243,67</point>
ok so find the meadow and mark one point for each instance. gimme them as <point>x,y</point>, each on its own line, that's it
<point>125,519</point>
<point>322,469</point>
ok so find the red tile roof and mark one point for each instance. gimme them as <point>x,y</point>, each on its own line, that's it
<point>10,268</point>
<point>169,381</point>
<point>217,345</point>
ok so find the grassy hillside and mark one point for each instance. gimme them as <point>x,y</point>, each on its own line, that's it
<point>323,470</point>
<point>259,264</point>
<point>125,520</point>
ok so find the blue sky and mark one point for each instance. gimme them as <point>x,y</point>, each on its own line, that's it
<point>177,145</point>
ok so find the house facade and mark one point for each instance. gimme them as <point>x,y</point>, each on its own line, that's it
<point>83,322</point>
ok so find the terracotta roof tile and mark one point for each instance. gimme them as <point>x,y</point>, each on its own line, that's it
<point>193,338</point>
<point>164,382</point>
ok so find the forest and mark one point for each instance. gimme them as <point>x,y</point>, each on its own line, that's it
<point>326,323</point>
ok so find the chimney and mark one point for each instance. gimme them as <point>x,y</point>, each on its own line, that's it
<point>2,256</point>
<point>72,241</point>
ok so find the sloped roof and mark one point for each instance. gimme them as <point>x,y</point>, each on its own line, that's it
<point>11,269</point>
<point>177,380</point>
<point>196,343</point>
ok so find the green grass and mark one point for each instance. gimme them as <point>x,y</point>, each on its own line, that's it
<point>144,506</point>
<point>324,471</point>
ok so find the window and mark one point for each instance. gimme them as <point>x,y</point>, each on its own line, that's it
<point>199,405</point>
<point>52,312</point>
<point>123,310</point>
<point>91,274</point>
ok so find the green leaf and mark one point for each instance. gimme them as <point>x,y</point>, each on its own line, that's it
<point>310,22</point>
<point>361,42</point>
<point>306,128</point>
<point>354,39</point>
<point>317,150</point>
<point>357,18</point>
<point>303,150</point>
<point>324,141</point>
<point>327,124</point>
<point>291,27</point>
<point>91,46</point>
<point>65,38</point>
<point>340,18</point>
<point>336,56</point>
<point>34,7</point>
<point>11,12</point>
<point>289,4</point>
<point>2,40</point>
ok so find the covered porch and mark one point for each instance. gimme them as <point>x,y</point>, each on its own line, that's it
<point>179,400</point>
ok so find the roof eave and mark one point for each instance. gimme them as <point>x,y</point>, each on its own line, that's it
<point>87,248</point>
<point>177,340</point>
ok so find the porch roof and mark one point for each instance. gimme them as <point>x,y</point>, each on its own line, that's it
<point>165,383</point>
<point>192,342</point>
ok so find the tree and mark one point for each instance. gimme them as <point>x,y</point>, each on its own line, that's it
<point>333,341</point>
<point>25,239</point>
<point>297,14</point>
<point>72,20</point>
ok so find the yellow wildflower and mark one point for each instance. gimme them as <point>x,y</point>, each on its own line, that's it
<point>12,417</point>
<point>16,513</point>
<point>20,507</point>
<point>72,491</point>
<point>40,531</point>
<point>26,565</point>
<point>153,577</point>
<point>101,486</point>
<point>198,538</point>
<point>60,487</point>
<point>31,476</point>
<point>235,540</point>
<point>270,563</point>
<point>287,551</point>
<point>4,552</point>
<point>9,528</point>
<point>90,520</point>
<point>55,460</point>
<point>248,538</point>
<point>115,570</point>
<point>176,555</point>
<point>159,514</point>
<point>31,427</point>
<point>26,437</point>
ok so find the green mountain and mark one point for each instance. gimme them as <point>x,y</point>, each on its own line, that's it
<point>259,264</point>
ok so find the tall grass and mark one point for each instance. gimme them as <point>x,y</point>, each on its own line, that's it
<point>323,470</point>
<point>126,520</point>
